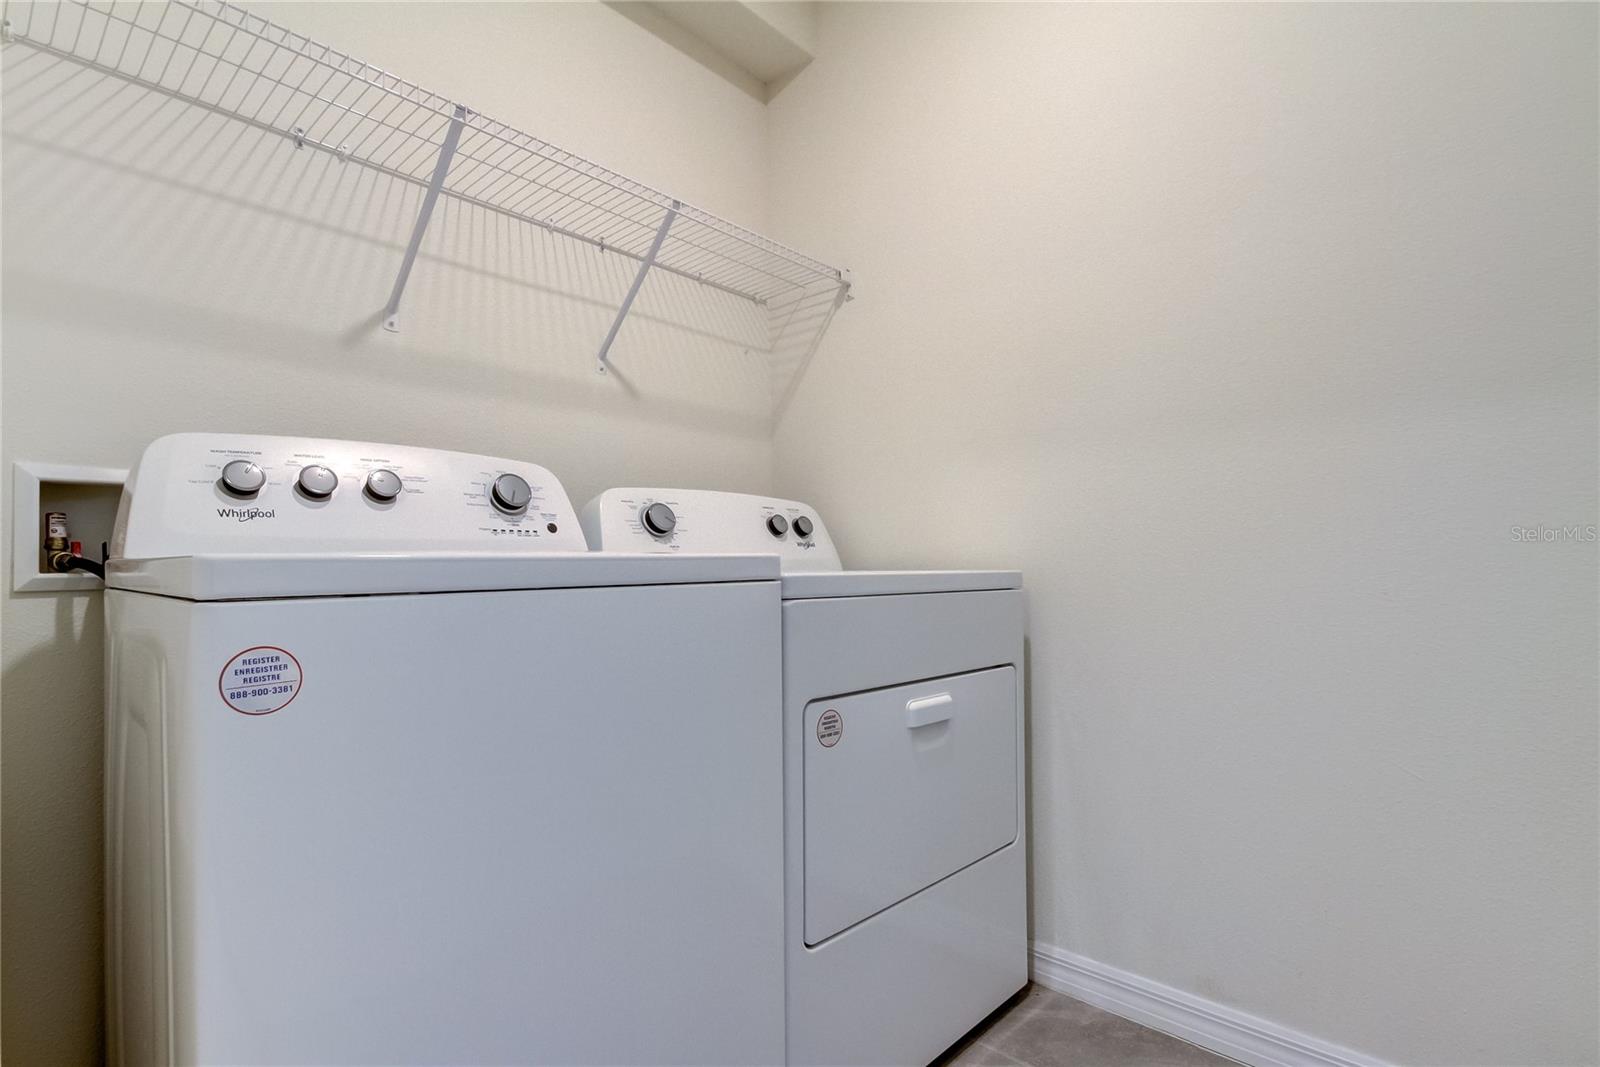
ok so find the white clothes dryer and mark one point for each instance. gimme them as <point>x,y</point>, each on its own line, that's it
<point>904,786</point>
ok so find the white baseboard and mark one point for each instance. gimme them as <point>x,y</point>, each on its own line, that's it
<point>1224,1030</point>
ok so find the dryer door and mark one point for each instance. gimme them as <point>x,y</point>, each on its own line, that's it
<point>904,786</point>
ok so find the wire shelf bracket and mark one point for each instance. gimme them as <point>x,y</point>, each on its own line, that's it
<point>447,152</point>
<point>638,280</point>
<point>217,56</point>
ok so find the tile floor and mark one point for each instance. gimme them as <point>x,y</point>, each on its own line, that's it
<point>1041,1028</point>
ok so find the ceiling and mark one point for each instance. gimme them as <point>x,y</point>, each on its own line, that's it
<point>758,46</point>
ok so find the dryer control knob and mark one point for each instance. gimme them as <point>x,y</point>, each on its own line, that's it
<point>384,485</point>
<point>777,525</point>
<point>317,481</point>
<point>659,519</point>
<point>802,526</point>
<point>243,478</point>
<point>510,494</point>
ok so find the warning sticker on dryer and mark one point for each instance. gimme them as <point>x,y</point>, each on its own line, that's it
<point>260,680</point>
<point>830,727</point>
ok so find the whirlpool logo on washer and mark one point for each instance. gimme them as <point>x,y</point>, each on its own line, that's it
<point>246,514</point>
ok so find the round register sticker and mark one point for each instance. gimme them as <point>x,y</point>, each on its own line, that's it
<point>260,680</point>
<point>830,727</point>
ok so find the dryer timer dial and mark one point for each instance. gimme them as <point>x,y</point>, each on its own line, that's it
<point>658,519</point>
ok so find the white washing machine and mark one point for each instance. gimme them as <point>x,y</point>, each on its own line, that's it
<point>906,885</point>
<point>398,772</point>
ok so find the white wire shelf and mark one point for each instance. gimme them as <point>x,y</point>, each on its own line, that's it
<point>218,56</point>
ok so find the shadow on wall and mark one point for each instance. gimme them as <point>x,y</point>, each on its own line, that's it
<point>43,918</point>
<point>142,217</point>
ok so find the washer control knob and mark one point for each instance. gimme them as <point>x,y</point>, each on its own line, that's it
<point>777,525</point>
<point>659,519</point>
<point>384,485</point>
<point>243,478</point>
<point>510,493</point>
<point>317,481</point>
<point>802,526</point>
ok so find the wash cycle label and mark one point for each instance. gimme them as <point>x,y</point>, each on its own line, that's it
<point>260,680</point>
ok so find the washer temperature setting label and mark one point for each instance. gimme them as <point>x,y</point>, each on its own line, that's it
<point>260,680</point>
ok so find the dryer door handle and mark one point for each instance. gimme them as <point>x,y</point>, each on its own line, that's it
<point>925,711</point>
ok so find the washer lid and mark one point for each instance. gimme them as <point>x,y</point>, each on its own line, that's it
<point>268,576</point>
<point>811,586</point>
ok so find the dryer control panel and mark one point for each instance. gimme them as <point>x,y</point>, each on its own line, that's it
<point>229,494</point>
<point>703,520</point>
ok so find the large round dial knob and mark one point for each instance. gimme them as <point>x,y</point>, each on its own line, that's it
<point>659,519</point>
<point>243,478</point>
<point>384,485</point>
<point>802,526</point>
<point>317,481</point>
<point>777,525</point>
<point>510,493</point>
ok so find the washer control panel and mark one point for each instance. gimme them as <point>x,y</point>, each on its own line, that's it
<point>197,493</point>
<point>702,520</point>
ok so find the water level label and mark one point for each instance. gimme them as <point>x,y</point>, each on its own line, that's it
<point>260,680</point>
<point>830,727</point>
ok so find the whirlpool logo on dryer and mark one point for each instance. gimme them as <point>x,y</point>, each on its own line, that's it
<point>246,514</point>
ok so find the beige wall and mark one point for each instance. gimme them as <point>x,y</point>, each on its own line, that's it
<point>193,276</point>
<point>1248,333</point>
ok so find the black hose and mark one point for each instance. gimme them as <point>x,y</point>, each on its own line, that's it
<point>66,561</point>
